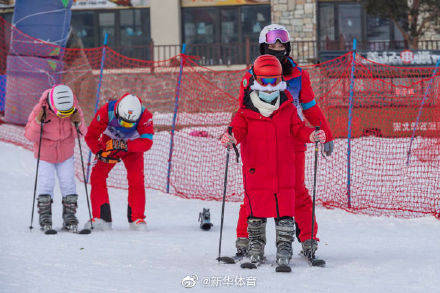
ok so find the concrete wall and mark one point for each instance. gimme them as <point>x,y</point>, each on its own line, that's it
<point>165,27</point>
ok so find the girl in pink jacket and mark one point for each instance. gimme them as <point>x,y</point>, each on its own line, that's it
<point>59,111</point>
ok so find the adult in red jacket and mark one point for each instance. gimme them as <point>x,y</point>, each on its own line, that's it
<point>275,40</point>
<point>266,125</point>
<point>121,130</point>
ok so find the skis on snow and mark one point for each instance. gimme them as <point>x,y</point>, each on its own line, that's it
<point>283,268</point>
<point>74,229</point>
<point>49,231</point>
<point>313,261</point>
<point>231,260</point>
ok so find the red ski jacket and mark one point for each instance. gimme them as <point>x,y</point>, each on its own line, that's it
<point>300,87</point>
<point>268,155</point>
<point>105,127</point>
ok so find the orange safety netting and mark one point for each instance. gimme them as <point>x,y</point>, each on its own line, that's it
<point>386,103</point>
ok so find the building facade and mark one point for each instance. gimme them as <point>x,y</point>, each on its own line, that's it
<point>225,32</point>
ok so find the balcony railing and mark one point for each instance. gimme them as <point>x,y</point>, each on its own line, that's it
<point>304,52</point>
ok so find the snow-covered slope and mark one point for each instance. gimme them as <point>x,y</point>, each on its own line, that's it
<point>364,254</point>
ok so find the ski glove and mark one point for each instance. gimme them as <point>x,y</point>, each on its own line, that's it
<point>228,140</point>
<point>317,136</point>
<point>328,148</point>
<point>106,157</point>
<point>116,144</point>
<point>75,117</point>
<point>41,116</point>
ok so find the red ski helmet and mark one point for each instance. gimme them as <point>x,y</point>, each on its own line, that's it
<point>268,74</point>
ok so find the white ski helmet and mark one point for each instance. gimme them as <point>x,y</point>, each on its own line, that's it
<point>129,108</point>
<point>61,100</point>
<point>272,27</point>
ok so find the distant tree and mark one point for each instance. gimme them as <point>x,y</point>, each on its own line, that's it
<point>413,18</point>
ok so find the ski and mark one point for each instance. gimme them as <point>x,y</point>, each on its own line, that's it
<point>230,260</point>
<point>250,265</point>
<point>283,268</point>
<point>74,229</point>
<point>50,232</point>
<point>47,229</point>
<point>313,261</point>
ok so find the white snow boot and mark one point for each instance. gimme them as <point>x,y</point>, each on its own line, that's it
<point>138,225</point>
<point>98,225</point>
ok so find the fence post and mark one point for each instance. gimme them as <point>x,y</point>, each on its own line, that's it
<point>98,91</point>
<point>420,109</point>
<point>350,106</point>
<point>176,106</point>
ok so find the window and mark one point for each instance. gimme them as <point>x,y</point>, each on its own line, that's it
<point>220,33</point>
<point>83,25</point>
<point>199,25</point>
<point>134,32</point>
<point>349,20</point>
<point>253,19</point>
<point>128,30</point>
<point>342,21</point>
<point>378,29</point>
<point>327,22</point>
<point>106,22</point>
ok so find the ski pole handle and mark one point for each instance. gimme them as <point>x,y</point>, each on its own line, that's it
<point>237,154</point>
<point>317,128</point>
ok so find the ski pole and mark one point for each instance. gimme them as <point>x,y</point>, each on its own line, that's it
<point>314,185</point>
<point>43,117</point>
<point>84,173</point>
<point>219,258</point>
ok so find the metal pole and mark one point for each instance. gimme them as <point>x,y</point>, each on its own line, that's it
<point>315,171</point>
<point>176,107</point>
<point>98,91</point>
<point>420,109</point>
<point>350,106</point>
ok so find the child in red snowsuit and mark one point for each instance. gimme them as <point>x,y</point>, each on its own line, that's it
<point>266,125</point>
<point>275,40</point>
<point>121,130</point>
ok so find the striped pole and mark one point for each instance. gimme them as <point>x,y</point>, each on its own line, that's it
<point>98,91</point>
<point>176,107</point>
<point>350,106</point>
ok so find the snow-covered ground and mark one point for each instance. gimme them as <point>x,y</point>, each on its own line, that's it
<point>364,254</point>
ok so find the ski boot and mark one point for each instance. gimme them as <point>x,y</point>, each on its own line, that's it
<point>98,224</point>
<point>205,220</point>
<point>257,241</point>
<point>45,212</point>
<point>242,245</point>
<point>70,204</point>
<point>285,231</point>
<point>138,225</point>
<point>309,247</point>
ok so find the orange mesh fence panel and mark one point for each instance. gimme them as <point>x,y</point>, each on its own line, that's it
<point>386,104</point>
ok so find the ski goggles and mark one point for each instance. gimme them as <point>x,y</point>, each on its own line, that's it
<point>126,124</point>
<point>273,81</point>
<point>65,113</point>
<point>273,36</point>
